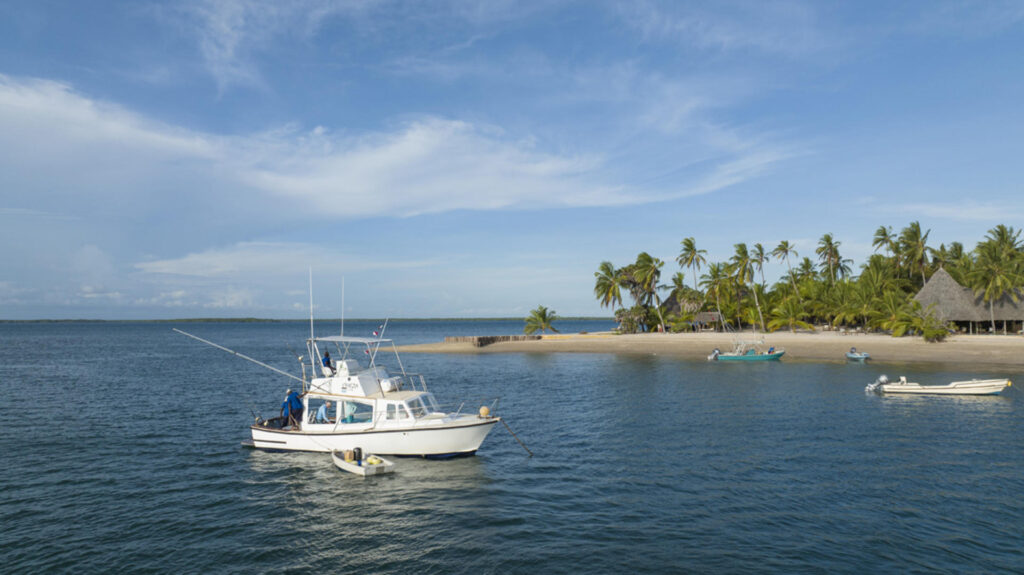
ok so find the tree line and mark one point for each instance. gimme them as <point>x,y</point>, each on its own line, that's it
<point>818,290</point>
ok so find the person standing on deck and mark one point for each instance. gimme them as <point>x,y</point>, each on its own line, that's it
<point>327,361</point>
<point>295,406</point>
<point>286,408</point>
<point>291,408</point>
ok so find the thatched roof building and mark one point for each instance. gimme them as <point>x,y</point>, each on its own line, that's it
<point>954,302</point>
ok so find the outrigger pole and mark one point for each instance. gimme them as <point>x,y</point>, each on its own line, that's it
<point>233,352</point>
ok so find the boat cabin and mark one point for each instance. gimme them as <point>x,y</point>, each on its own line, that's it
<point>362,397</point>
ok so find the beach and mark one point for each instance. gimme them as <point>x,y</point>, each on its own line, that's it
<point>981,350</point>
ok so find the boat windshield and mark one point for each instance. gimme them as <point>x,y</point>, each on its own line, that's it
<point>418,408</point>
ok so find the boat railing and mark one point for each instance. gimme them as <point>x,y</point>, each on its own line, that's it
<point>490,403</point>
<point>411,382</point>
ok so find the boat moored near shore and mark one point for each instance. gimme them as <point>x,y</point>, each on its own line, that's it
<point>970,387</point>
<point>748,351</point>
<point>854,355</point>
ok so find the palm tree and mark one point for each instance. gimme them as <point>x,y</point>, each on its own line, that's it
<point>887,309</point>
<point>1006,239</point>
<point>914,245</point>
<point>743,271</point>
<point>806,269</point>
<point>995,275</point>
<point>715,281</point>
<point>539,320</point>
<point>691,257</point>
<point>828,255</point>
<point>606,285</point>
<point>886,239</point>
<point>647,273</point>
<point>789,313</point>
<point>782,252</point>
<point>759,257</point>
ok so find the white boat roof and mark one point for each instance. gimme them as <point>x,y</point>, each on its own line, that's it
<point>403,395</point>
<point>347,339</point>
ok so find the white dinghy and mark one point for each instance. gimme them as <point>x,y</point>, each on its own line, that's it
<point>970,387</point>
<point>370,465</point>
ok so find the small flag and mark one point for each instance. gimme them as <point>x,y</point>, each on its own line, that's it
<point>366,351</point>
<point>376,333</point>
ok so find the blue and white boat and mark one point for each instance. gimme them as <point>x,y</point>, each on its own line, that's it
<point>748,351</point>
<point>854,355</point>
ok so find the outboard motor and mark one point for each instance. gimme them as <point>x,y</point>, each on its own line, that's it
<point>714,355</point>
<point>876,386</point>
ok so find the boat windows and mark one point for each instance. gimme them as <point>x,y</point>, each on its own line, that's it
<point>417,408</point>
<point>397,412</point>
<point>356,412</point>
<point>328,415</point>
<point>428,399</point>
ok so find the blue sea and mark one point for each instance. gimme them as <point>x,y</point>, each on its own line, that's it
<point>122,453</point>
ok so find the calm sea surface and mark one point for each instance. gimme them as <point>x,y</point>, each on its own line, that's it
<point>121,450</point>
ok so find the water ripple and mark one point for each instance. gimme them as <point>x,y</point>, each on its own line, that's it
<point>131,462</point>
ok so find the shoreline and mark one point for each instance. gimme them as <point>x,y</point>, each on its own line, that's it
<point>986,350</point>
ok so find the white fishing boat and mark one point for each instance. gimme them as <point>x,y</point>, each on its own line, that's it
<point>370,465</point>
<point>971,387</point>
<point>367,406</point>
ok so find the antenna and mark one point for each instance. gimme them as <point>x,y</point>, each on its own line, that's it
<point>311,303</point>
<point>342,306</point>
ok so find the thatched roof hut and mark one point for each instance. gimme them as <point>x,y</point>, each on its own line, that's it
<point>954,302</point>
<point>708,317</point>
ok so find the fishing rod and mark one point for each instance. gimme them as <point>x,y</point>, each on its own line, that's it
<point>243,356</point>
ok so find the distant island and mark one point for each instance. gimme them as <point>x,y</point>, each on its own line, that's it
<point>980,287</point>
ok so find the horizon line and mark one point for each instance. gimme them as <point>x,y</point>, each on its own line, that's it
<point>278,320</point>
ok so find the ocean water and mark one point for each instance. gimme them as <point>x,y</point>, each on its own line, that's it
<point>122,453</point>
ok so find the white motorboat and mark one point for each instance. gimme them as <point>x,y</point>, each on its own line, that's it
<point>367,407</point>
<point>971,387</point>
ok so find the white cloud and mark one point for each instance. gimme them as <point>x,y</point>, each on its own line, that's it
<point>232,33</point>
<point>231,298</point>
<point>788,28</point>
<point>262,259</point>
<point>98,150</point>
<point>968,19</point>
<point>64,120</point>
<point>958,211</point>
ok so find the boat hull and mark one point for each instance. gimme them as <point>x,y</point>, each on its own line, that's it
<point>857,356</point>
<point>762,357</point>
<point>449,440</point>
<point>973,387</point>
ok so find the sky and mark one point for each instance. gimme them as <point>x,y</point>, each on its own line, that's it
<point>164,160</point>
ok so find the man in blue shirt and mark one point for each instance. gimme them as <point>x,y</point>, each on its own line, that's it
<point>285,405</point>
<point>327,361</point>
<point>292,409</point>
<point>321,414</point>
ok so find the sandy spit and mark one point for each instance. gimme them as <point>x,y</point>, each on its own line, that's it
<point>982,350</point>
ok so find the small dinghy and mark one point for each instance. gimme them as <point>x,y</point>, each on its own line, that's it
<point>854,355</point>
<point>972,387</point>
<point>352,461</point>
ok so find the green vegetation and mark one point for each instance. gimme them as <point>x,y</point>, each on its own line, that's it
<point>825,291</point>
<point>539,320</point>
